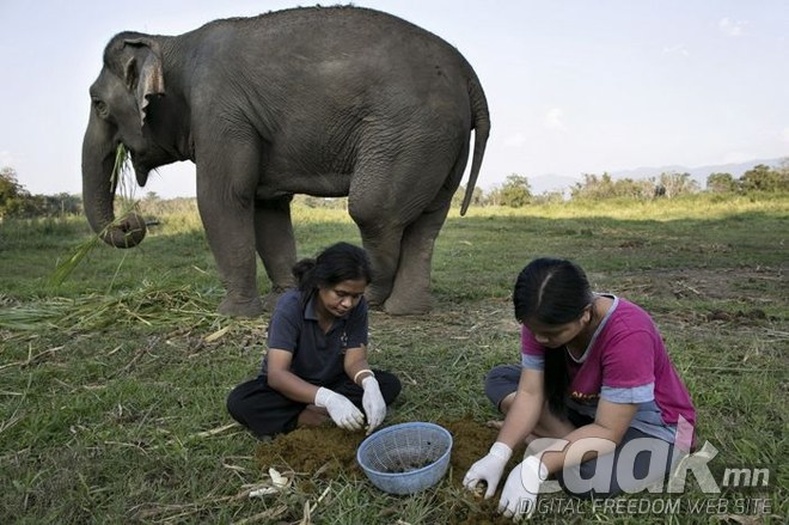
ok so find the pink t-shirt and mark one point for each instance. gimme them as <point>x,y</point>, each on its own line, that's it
<point>625,362</point>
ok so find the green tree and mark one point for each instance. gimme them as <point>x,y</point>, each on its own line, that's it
<point>605,187</point>
<point>549,197</point>
<point>722,183</point>
<point>56,205</point>
<point>593,187</point>
<point>477,197</point>
<point>783,174</point>
<point>633,189</point>
<point>13,196</point>
<point>763,178</point>
<point>515,192</point>
<point>677,183</point>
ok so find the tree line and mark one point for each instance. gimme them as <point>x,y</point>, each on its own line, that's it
<point>515,191</point>
<point>16,201</point>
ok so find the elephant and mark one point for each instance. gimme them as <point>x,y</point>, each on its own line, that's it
<point>324,101</point>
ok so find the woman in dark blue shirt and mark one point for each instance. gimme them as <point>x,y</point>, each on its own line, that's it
<point>316,364</point>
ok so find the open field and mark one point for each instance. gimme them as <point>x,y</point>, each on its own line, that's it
<point>112,384</point>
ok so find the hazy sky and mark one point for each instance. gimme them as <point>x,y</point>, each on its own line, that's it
<point>574,86</point>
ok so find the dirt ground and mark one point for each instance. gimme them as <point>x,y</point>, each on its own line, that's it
<point>328,452</point>
<point>755,290</point>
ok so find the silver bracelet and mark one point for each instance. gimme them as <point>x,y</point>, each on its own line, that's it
<point>362,371</point>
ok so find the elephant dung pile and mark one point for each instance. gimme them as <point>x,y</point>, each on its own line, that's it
<point>327,453</point>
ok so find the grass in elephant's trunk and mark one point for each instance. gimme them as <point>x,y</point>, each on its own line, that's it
<point>318,455</point>
<point>126,208</point>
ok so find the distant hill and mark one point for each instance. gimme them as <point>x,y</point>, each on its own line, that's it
<point>551,182</point>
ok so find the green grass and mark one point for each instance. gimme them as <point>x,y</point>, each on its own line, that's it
<point>114,382</point>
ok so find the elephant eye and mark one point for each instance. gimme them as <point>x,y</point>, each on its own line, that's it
<point>101,108</point>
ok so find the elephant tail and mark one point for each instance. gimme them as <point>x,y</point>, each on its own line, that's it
<point>481,126</point>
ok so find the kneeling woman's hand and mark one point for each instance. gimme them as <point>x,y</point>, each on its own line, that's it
<point>519,495</point>
<point>488,469</point>
<point>341,410</point>
<point>373,403</point>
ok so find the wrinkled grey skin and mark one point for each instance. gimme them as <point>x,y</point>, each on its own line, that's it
<point>321,101</point>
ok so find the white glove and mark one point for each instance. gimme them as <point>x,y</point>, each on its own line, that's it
<point>342,411</point>
<point>489,469</point>
<point>519,495</point>
<point>373,403</point>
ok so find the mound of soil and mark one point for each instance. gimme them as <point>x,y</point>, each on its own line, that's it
<point>327,452</point>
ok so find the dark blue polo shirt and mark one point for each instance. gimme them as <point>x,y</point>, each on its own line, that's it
<point>317,357</point>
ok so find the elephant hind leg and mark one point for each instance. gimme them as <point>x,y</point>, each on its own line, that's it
<point>399,206</point>
<point>411,290</point>
<point>383,248</point>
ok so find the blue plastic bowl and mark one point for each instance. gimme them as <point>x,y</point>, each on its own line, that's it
<point>406,458</point>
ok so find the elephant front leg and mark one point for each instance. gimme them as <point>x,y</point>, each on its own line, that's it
<point>236,266</point>
<point>229,227</point>
<point>236,263</point>
<point>276,246</point>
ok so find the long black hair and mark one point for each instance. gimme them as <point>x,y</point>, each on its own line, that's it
<point>337,263</point>
<point>553,292</point>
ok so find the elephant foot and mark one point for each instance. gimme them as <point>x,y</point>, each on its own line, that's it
<point>397,306</point>
<point>375,299</point>
<point>271,298</point>
<point>235,307</point>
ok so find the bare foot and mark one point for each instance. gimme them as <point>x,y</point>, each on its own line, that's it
<point>312,416</point>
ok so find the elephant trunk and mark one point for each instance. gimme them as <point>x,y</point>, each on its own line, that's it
<point>98,190</point>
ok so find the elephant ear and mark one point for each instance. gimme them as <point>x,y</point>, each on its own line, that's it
<point>143,72</point>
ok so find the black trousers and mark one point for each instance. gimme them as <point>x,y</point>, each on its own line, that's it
<point>266,412</point>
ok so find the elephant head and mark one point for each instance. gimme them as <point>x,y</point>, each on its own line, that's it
<point>130,80</point>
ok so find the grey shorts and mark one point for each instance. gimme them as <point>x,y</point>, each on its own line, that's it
<point>652,462</point>
<point>501,382</point>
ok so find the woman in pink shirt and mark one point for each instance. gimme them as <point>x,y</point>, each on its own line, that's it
<point>595,396</point>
